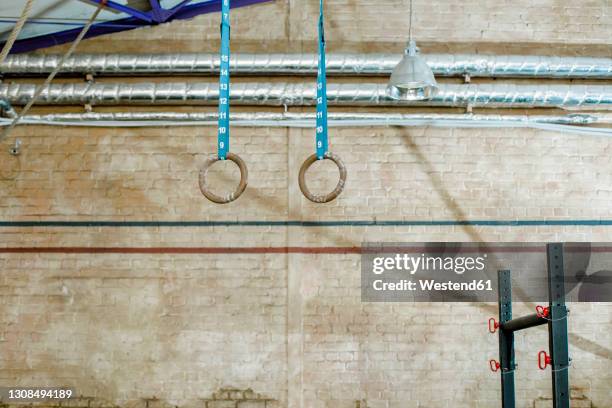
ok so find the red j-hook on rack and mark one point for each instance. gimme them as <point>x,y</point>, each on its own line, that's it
<point>544,360</point>
<point>493,325</point>
<point>542,311</point>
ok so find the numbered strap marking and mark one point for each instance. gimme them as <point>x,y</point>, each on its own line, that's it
<point>224,82</point>
<point>322,145</point>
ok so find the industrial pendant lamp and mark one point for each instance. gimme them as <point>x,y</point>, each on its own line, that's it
<point>412,79</point>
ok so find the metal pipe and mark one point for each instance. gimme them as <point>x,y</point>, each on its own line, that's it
<point>266,118</point>
<point>575,123</point>
<point>522,66</point>
<point>524,322</point>
<point>304,94</point>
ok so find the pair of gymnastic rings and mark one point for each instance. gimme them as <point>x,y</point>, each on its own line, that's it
<point>322,152</point>
<point>315,198</point>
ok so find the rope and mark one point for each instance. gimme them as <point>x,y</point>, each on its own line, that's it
<point>541,310</point>
<point>554,320</point>
<point>555,371</point>
<point>561,369</point>
<point>8,45</point>
<point>57,69</point>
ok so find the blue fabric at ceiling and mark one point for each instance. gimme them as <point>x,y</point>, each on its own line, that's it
<point>62,37</point>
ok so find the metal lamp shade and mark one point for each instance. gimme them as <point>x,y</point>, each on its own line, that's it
<point>412,79</point>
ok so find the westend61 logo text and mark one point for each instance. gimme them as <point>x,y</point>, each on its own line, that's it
<point>412,264</point>
<point>399,276</point>
<point>468,271</point>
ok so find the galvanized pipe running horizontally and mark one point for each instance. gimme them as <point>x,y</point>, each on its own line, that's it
<point>446,65</point>
<point>304,94</point>
<point>307,119</point>
<point>574,123</point>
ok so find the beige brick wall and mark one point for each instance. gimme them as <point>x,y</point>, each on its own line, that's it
<point>179,327</point>
<point>125,328</point>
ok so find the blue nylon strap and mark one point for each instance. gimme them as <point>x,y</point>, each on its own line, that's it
<point>322,144</point>
<point>224,82</point>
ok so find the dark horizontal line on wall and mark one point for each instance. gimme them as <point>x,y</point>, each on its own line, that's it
<point>184,250</point>
<point>289,250</point>
<point>348,223</point>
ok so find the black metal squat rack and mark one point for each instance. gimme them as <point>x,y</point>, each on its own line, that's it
<point>555,315</point>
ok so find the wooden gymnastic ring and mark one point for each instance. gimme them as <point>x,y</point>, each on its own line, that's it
<point>339,187</point>
<point>244,175</point>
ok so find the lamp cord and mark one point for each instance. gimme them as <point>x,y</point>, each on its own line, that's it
<point>410,24</point>
<point>57,69</point>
